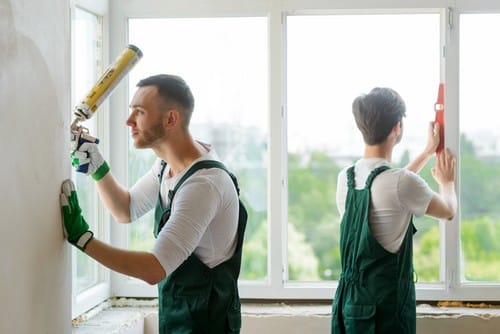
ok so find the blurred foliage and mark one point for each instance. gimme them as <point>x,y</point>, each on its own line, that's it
<point>301,257</point>
<point>312,184</point>
<point>314,224</point>
<point>254,261</point>
<point>312,212</point>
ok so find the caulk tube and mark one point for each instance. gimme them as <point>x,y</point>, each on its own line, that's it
<point>98,93</point>
<point>108,81</point>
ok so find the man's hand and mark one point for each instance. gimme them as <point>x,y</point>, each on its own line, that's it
<point>445,206</point>
<point>76,228</point>
<point>445,169</point>
<point>432,138</point>
<point>419,162</point>
<point>88,158</point>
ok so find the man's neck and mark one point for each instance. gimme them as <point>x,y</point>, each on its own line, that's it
<point>383,151</point>
<point>180,152</point>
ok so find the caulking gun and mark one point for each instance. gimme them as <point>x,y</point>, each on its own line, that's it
<point>98,93</point>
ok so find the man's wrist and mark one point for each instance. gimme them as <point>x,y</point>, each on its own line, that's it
<point>84,239</point>
<point>427,153</point>
<point>101,171</point>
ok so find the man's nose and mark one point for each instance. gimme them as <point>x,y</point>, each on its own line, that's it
<point>130,121</point>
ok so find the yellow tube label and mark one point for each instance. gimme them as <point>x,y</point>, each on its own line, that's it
<point>108,81</point>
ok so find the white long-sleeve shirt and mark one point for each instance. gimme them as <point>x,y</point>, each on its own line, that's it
<point>204,216</point>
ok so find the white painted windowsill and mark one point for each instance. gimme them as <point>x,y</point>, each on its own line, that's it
<point>132,316</point>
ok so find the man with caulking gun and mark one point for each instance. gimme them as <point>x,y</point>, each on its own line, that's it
<point>199,220</point>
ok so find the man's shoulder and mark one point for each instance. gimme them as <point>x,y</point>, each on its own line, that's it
<point>211,173</point>
<point>401,179</point>
<point>400,174</point>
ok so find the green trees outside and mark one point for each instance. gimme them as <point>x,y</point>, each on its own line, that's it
<point>313,228</point>
<point>480,213</point>
<point>312,213</point>
<point>141,231</point>
<point>479,223</point>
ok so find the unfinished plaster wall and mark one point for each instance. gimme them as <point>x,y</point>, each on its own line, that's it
<point>35,272</point>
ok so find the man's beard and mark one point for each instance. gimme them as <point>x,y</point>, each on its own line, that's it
<point>146,138</point>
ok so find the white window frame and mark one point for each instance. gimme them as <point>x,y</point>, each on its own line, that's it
<point>89,298</point>
<point>276,287</point>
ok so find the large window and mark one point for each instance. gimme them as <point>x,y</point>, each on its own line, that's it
<point>89,278</point>
<point>479,147</point>
<point>224,61</point>
<point>274,82</point>
<point>348,56</point>
<point>87,59</point>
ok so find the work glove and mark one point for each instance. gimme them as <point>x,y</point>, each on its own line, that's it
<point>76,229</point>
<point>88,160</point>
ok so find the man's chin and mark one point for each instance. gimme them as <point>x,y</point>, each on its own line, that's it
<point>140,145</point>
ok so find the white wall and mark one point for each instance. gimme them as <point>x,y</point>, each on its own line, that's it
<point>35,271</point>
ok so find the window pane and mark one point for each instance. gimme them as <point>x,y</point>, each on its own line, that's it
<point>330,60</point>
<point>85,71</point>
<point>479,147</point>
<point>224,60</point>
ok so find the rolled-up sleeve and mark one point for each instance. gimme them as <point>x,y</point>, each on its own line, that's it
<point>414,193</point>
<point>193,208</point>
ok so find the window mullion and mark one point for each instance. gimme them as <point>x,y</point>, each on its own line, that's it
<point>277,161</point>
<point>450,267</point>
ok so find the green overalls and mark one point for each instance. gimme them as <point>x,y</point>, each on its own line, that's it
<point>376,291</point>
<point>196,298</point>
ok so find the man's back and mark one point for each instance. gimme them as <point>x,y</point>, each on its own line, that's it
<point>396,195</point>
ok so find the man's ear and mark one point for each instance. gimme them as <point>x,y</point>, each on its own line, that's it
<point>171,118</point>
<point>396,129</point>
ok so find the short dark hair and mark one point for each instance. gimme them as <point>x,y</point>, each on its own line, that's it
<point>172,88</point>
<point>377,112</point>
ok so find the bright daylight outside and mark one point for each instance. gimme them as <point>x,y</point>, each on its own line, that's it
<point>86,68</point>
<point>479,147</point>
<point>330,59</point>
<point>349,55</point>
<point>224,61</point>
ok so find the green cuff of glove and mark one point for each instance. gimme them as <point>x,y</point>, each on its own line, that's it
<point>101,171</point>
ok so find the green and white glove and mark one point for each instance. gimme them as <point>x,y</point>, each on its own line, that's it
<point>88,159</point>
<point>76,229</point>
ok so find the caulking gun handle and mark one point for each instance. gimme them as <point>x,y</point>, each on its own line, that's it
<point>85,138</point>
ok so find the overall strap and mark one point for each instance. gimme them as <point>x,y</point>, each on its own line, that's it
<point>163,165</point>
<point>161,216</point>
<point>373,174</point>
<point>203,164</point>
<point>369,180</point>
<point>350,178</point>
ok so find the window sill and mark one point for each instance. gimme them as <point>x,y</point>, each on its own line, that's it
<point>133,316</point>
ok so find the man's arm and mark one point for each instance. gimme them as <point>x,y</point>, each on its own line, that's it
<point>141,265</point>
<point>444,205</point>
<point>115,198</point>
<point>432,143</point>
